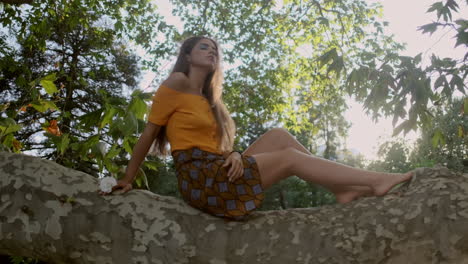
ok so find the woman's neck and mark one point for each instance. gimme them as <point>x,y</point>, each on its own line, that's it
<point>197,77</point>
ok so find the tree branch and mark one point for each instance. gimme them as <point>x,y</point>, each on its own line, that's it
<point>55,214</point>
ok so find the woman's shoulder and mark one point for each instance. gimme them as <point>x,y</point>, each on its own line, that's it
<point>177,81</point>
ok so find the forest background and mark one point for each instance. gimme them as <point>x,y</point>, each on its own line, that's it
<point>71,82</point>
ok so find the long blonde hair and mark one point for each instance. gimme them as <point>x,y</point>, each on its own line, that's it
<point>212,90</point>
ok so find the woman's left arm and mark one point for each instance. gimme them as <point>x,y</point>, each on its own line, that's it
<point>226,154</point>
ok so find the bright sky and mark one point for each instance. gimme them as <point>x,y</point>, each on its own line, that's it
<point>404,17</point>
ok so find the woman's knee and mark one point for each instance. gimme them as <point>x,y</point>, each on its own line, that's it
<point>279,131</point>
<point>289,154</point>
<point>281,135</point>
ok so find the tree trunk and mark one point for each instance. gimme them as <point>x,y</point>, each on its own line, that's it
<point>55,214</point>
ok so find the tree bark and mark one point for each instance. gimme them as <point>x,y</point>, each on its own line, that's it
<point>55,214</point>
<point>16,2</point>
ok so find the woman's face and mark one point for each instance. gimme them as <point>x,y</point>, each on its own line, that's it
<point>204,54</point>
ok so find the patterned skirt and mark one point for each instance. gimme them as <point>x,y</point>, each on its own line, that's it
<point>204,184</point>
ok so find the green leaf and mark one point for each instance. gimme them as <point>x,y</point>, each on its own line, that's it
<point>436,6</point>
<point>70,199</point>
<point>417,59</point>
<point>138,107</point>
<point>141,179</point>
<point>465,106</point>
<point>353,81</point>
<point>113,152</point>
<point>48,83</point>
<point>429,28</point>
<point>440,81</point>
<point>406,125</point>
<point>91,118</point>
<point>118,26</point>
<point>328,56</point>
<point>324,21</point>
<point>64,143</point>
<point>452,4</point>
<point>337,65</point>
<point>463,23</point>
<point>8,126</point>
<point>462,38</point>
<point>127,146</point>
<point>131,124</point>
<point>438,138</point>
<point>44,105</point>
<point>152,165</point>
<point>88,144</point>
<point>51,77</point>
<point>111,166</point>
<point>458,83</point>
<point>108,116</point>
<point>49,86</point>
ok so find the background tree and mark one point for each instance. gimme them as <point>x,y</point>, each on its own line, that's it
<point>385,82</point>
<point>67,72</point>
<point>446,143</point>
<point>393,157</point>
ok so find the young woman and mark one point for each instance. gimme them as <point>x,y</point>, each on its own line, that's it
<point>188,111</point>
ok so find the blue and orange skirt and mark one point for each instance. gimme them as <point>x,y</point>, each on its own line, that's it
<point>204,184</point>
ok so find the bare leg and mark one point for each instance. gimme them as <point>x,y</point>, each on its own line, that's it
<point>279,139</point>
<point>278,165</point>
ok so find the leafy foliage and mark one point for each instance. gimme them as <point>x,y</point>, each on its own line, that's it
<point>394,157</point>
<point>385,88</point>
<point>446,143</point>
<point>63,77</point>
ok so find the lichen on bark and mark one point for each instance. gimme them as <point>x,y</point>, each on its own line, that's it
<point>55,214</point>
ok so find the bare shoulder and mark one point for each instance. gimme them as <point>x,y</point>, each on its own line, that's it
<point>177,81</point>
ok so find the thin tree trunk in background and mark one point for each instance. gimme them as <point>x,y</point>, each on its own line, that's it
<point>281,197</point>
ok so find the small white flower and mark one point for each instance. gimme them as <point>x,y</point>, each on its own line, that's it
<point>107,183</point>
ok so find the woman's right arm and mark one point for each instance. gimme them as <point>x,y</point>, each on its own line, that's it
<point>139,153</point>
<point>140,150</point>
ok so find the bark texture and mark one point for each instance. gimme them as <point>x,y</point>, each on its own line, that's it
<point>56,215</point>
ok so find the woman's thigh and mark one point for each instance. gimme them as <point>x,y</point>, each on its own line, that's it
<point>274,140</point>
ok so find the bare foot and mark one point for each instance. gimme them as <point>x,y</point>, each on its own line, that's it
<point>388,180</point>
<point>351,193</point>
<point>346,197</point>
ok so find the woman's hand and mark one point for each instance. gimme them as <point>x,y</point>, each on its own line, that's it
<point>237,169</point>
<point>139,152</point>
<point>121,184</point>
